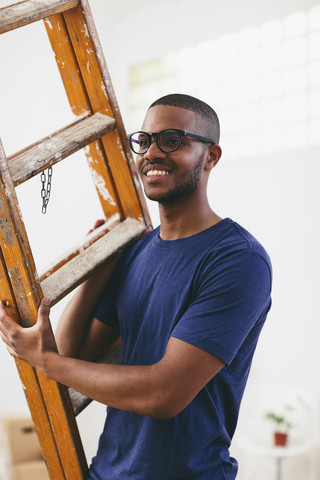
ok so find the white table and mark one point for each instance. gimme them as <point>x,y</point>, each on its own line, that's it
<point>278,453</point>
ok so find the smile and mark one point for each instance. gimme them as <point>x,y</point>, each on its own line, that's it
<point>157,173</point>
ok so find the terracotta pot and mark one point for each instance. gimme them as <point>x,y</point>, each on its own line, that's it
<point>280,439</point>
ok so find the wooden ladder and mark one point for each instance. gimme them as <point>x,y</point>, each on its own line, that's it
<point>99,128</point>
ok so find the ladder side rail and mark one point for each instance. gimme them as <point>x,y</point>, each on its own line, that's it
<point>114,106</point>
<point>97,85</point>
<point>86,56</point>
<point>27,292</point>
<point>30,11</point>
<point>79,102</point>
<point>32,388</point>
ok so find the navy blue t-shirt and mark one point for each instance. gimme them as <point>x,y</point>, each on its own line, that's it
<point>211,290</point>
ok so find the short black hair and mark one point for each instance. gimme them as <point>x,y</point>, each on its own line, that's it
<point>209,121</point>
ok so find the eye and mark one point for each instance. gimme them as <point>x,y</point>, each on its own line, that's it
<point>142,140</point>
<point>170,139</point>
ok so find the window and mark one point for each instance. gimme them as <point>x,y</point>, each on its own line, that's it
<point>264,82</point>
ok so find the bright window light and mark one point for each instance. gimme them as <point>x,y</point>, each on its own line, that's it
<point>314,45</point>
<point>271,111</point>
<point>295,135</point>
<point>188,58</point>
<point>295,107</point>
<point>295,24</point>
<point>271,84</point>
<point>228,45</point>
<point>248,39</point>
<point>314,18</point>
<point>271,32</point>
<point>231,146</point>
<point>295,79</point>
<point>188,79</point>
<point>207,53</point>
<point>229,119</point>
<point>249,117</point>
<point>248,64</point>
<point>313,132</point>
<point>314,103</point>
<point>169,63</point>
<point>227,94</point>
<point>313,72</point>
<point>271,139</point>
<point>226,69</point>
<point>248,90</point>
<point>264,82</point>
<point>250,144</point>
<point>271,58</point>
<point>295,51</point>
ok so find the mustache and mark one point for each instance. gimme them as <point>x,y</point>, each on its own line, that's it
<point>159,162</point>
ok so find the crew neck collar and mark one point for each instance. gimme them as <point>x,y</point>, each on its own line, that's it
<point>192,238</point>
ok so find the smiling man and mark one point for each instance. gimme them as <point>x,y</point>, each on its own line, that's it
<point>189,300</point>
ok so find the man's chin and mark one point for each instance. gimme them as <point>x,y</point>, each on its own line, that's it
<point>168,197</point>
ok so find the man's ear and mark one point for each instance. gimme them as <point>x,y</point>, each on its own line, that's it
<point>213,156</point>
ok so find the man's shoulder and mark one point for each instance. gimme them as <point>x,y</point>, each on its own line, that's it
<point>234,244</point>
<point>236,237</point>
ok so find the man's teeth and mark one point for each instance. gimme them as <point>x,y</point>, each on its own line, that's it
<point>156,173</point>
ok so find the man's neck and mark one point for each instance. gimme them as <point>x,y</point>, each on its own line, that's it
<point>183,219</point>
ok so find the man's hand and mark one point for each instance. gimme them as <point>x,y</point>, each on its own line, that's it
<point>97,224</point>
<point>34,344</point>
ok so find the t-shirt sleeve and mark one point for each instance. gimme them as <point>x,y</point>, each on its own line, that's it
<point>232,295</point>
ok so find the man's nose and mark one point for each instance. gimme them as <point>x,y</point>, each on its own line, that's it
<point>154,150</point>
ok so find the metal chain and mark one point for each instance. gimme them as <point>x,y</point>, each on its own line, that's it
<point>46,189</point>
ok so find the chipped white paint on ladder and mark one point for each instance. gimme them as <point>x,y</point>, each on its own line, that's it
<point>85,30</point>
<point>48,22</point>
<point>101,186</point>
<point>103,87</point>
<point>119,144</point>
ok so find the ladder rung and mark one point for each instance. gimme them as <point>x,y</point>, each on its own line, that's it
<point>80,401</point>
<point>29,11</point>
<point>75,271</point>
<point>92,237</point>
<point>27,163</point>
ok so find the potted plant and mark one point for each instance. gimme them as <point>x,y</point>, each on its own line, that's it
<point>282,425</point>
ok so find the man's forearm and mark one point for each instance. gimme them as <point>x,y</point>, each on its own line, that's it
<point>131,388</point>
<point>161,390</point>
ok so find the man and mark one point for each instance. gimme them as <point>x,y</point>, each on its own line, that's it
<point>189,299</point>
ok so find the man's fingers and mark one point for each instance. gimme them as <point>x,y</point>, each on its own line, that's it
<point>6,322</point>
<point>9,330</point>
<point>97,224</point>
<point>44,309</point>
<point>12,352</point>
<point>2,309</point>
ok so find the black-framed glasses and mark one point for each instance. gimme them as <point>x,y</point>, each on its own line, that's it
<point>168,140</point>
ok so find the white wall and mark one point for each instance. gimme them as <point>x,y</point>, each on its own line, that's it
<point>276,196</point>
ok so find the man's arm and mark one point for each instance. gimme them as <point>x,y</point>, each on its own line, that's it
<point>77,333</point>
<point>161,390</point>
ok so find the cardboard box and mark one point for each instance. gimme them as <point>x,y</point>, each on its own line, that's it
<point>29,471</point>
<point>20,439</point>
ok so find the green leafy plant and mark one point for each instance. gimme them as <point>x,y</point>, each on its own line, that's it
<point>281,420</point>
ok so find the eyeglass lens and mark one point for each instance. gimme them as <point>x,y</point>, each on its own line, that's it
<point>168,141</point>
